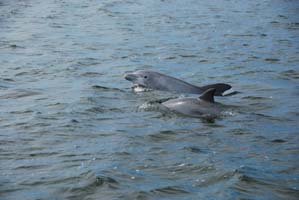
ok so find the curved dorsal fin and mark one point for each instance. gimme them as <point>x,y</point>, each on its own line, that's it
<point>208,95</point>
<point>220,88</point>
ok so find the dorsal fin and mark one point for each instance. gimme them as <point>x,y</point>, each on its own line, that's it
<point>208,95</point>
<point>220,88</point>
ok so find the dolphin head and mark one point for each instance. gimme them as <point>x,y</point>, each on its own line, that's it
<point>142,78</point>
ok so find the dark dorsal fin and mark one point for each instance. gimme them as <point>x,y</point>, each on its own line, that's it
<point>208,95</point>
<point>220,88</point>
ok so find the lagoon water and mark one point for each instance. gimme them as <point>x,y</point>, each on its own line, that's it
<point>72,128</point>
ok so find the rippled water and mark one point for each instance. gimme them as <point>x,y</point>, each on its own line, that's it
<point>71,127</point>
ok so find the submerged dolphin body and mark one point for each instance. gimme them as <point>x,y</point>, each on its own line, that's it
<point>158,81</point>
<point>203,106</point>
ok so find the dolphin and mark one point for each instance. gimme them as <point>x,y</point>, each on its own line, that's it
<point>203,106</point>
<point>158,81</point>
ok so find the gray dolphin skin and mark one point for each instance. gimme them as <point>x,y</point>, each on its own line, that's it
<point>203,106</point>
<point>157,81</point>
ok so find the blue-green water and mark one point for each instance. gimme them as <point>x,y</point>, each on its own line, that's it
<point>71,127</point>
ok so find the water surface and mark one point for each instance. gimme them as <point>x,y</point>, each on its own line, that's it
<point>71,127</point>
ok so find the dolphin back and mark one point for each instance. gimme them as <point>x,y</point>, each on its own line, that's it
<point>169,83</point>
<point>220,88</point>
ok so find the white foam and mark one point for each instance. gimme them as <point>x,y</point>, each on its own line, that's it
<point>229,113</point>
<point>145,106</point>
<point>139,89</point>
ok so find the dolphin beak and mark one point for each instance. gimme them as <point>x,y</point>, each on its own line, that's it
<point>130,77</point>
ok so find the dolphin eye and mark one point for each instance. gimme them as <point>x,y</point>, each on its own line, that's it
<point>145,76</point>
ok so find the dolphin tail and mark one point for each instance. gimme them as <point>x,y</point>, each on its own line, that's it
<point>220,88</point>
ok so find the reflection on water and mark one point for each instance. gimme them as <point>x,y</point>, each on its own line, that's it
<point>72,128</point>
